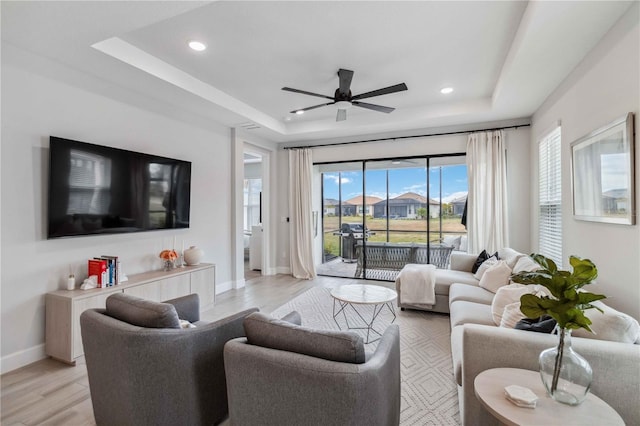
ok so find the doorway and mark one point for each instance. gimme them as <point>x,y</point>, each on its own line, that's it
<point>252,215</point>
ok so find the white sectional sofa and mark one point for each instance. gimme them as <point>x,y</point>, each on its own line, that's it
<point>478,344</point>
<point>459,271</point>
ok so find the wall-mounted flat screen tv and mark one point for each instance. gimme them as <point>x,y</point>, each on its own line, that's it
<point>95,189</point>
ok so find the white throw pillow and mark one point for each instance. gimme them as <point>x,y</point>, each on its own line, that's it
<point>525,264</point>
<point>452,241</point>
<point>511,315</point>
<point>496,276</point>
<point>612,325</point>
<point>485,266</point>
<point>510,256</point>
<point>511,294</point>
<point>186,324</point>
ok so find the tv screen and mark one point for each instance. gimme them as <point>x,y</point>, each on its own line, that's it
<point>96,189</point>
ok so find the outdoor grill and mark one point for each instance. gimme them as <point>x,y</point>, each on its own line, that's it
<point>351,233</point>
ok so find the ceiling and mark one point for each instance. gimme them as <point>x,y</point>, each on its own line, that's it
<point>502,58</point>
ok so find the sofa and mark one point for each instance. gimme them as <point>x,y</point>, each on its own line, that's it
<point>459,271</point>
<point>384,259</point>
<point>478,343</point>
<point>283,373</point>
<point>152,363</point>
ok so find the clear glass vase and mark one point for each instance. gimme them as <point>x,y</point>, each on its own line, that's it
<point>168,265</point>
<point>565,374</point>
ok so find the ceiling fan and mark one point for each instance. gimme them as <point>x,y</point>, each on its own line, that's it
<point>343,98</point>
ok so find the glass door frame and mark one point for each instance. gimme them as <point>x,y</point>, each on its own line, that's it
<point>363,170</point>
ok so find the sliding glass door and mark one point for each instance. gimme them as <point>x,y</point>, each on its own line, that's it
<point>342,217</point>
<point>379,215</point>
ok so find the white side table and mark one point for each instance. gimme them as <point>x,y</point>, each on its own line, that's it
<point>352,295</point>
<point>489,388</point>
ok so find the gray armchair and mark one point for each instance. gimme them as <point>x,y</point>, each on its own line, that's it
<point>275,380</point>
<point>144,369</point>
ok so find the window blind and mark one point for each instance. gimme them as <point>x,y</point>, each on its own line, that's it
<point>550,197</point>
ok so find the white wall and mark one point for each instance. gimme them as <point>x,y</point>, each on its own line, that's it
<point>35,107</point>
<point>605,86</point>
<point>518,171</point>
<point>283,260</point>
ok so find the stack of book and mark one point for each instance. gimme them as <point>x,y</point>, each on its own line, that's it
<point>105,268</point>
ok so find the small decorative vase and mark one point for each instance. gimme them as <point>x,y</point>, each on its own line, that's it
<point>193,255</point>
<point>71,282</point>
<point>565,374</point>
<point>168,265</point>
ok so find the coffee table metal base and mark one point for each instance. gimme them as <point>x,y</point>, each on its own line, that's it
<point>340,306</point>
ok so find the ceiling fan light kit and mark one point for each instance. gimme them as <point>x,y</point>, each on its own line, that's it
<point>343,98</point>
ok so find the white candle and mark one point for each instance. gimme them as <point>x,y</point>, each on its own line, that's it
<point>182,247</point>
<point>174,243</point>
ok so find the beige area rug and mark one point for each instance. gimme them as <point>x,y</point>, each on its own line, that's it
<point>429,395</point>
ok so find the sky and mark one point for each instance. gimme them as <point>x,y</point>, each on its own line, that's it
<point>614,171</point>
<point>454,182</point>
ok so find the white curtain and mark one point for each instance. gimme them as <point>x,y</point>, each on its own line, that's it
<point>301,222</point>
<point>487,222</point>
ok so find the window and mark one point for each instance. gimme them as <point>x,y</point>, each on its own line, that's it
<point>159,194</point>
<point>89,183</point>
<point>550,197</point>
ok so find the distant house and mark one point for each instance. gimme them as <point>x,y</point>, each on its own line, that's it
<point>615,201</point>
<point>458,205</point>
<point>330,207</point>
<point>357,207</point>
<point>406,206</point>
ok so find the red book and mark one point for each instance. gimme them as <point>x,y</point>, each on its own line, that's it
<point>98,267</point>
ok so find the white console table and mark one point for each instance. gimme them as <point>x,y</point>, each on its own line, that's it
<point>63,307</point>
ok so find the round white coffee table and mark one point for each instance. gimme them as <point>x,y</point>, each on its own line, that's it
<point>352,295</point>
<point>489,388</point>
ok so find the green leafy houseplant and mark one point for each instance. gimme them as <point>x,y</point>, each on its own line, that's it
<point>567,302</point>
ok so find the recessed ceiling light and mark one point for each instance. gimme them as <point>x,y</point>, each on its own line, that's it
<point>446,90</point>
<point>198,46</point>
<point>299,112</point>
<point>287,119</point>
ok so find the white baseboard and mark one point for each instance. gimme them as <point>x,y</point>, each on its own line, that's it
<point>21,358</point>
<point>229,285</point>
<point>283,270</point>
<point>222,287</point>
<point>268,271</point>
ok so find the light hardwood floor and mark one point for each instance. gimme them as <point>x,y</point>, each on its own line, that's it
<point>49,392</point>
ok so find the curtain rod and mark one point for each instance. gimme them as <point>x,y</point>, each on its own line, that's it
<point>408,137</point>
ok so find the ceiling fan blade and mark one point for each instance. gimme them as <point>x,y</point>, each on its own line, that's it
<point>304,92</point>
<point>379,108</point>
<point>345,80</point>
<point>391,89</point>
<point>342,115</point>
<point>311,107</point>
